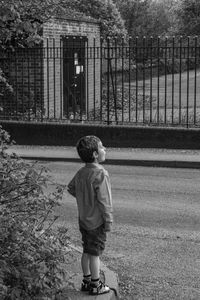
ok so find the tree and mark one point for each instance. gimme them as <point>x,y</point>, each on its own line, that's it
<point>188,13</point>
<point>147,17</point>
<point>104,11</point>
<point>159,18</point>
<point>20,25</point>
<point>134,13</point>
<point>21,21</point>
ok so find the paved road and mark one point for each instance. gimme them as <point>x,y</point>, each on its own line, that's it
<point>154,245</point>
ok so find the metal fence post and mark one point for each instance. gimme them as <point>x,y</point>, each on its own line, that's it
<point>108,81</point>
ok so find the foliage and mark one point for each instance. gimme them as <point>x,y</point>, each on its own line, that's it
<point>20,25</point>
<point>20,21</point>
<point>133,12</point>
<point>158,20</point>
<point>119,103</point>
<point>5,86</point>
<point>104,11</point>
<point>147,17</point>
<point>188,14</point>
<point>31,252</point>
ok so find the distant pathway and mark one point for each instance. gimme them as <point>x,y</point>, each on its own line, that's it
<point>176,86</point>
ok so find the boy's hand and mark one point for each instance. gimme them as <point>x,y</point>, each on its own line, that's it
<point>108,226</point>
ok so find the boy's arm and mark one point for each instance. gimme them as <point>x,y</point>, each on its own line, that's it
<point>104,197</point>
<point>108,226</point>
<point>71,187</point>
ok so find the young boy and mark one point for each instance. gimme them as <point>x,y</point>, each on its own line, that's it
<point>91,187</point>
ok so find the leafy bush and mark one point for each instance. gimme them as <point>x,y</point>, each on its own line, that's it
<point>32,252</point>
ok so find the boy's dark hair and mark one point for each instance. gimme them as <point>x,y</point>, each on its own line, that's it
<point>86,147</point>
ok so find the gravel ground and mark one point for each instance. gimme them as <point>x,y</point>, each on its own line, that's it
<point>153,270</point>
<point>158,268</point>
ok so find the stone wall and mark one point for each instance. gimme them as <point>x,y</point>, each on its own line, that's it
<point>27,133</point>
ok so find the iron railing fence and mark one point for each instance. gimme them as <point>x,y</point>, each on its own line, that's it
<point>141,81</point>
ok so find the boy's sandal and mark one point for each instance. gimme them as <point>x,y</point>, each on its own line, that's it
<point>85,286</point>
<point>99,289</point>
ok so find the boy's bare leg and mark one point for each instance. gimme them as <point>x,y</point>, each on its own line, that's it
<point>85,263</point>
<point>97,287</point>
<point>90,265</point>
<point>95,266</point>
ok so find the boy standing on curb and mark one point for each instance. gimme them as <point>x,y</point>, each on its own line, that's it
<point>92,190</point>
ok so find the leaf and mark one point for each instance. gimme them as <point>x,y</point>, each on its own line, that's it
<point>15,294</point>
<point>28,255</point>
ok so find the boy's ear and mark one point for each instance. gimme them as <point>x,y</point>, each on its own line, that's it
<point>95,154</point>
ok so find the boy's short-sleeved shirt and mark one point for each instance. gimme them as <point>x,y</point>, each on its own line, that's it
<point>92,189</point>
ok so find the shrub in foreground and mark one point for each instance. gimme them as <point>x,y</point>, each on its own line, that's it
<point>31,251</point>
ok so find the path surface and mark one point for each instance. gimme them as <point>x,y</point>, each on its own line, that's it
<point>172,86</point>
<point>154,245</point>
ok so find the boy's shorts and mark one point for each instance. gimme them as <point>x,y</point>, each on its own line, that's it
<point>93,240</point>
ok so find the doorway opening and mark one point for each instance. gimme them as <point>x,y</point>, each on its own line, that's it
<point>74,77</point>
